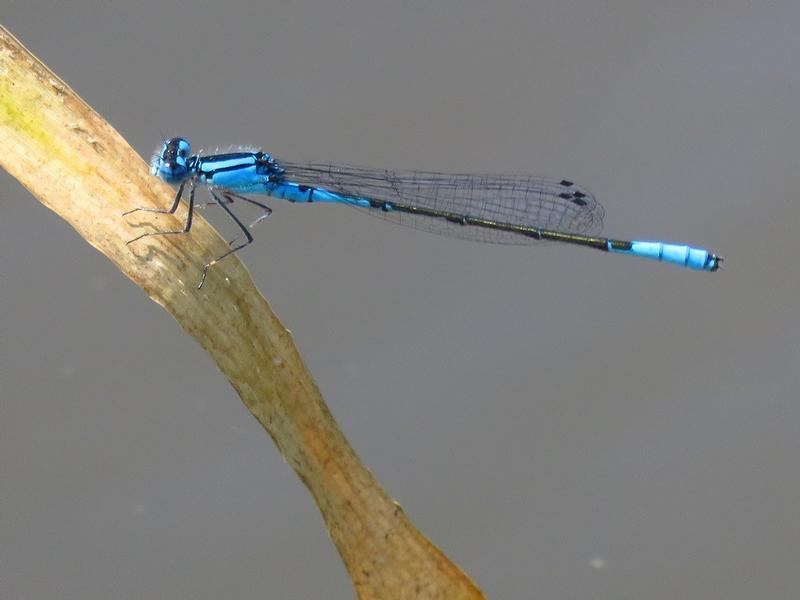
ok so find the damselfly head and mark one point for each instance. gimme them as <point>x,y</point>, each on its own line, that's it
<point>171,161</point>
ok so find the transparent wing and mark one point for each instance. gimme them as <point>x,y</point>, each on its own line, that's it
<point>515,200</point>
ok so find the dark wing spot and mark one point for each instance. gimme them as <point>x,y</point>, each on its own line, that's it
<point>566,183</point>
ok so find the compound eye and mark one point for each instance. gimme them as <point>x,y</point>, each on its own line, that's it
<point>183,147</point>
<point>175,148</point>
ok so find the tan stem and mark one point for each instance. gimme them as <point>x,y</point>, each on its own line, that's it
<point>75,163</point>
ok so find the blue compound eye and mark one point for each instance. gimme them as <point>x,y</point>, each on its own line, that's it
<point>170,162</point>
<point>182,146</point>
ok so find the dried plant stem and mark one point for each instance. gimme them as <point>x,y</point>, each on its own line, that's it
<point>75,163</point>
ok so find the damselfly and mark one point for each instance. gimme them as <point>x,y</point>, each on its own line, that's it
<point>504,209</point>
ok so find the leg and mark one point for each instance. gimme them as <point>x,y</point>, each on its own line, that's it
<point>230,196</point>
<point>267,210</point>
<point>207,204</point>
<point>171,210</point>
<point>247,235</point>
<point>186,228</point>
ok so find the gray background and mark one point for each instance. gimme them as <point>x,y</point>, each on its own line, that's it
<point>563,423</point>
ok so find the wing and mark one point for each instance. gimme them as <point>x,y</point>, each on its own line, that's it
<point>519,201</point>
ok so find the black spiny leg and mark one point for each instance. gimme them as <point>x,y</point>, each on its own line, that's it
<point>170,211</point>
<point>207,204</point>
<point>267,210</point>
<point>187,226</point>
<point>249,237</point>
<point>230,196</point>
